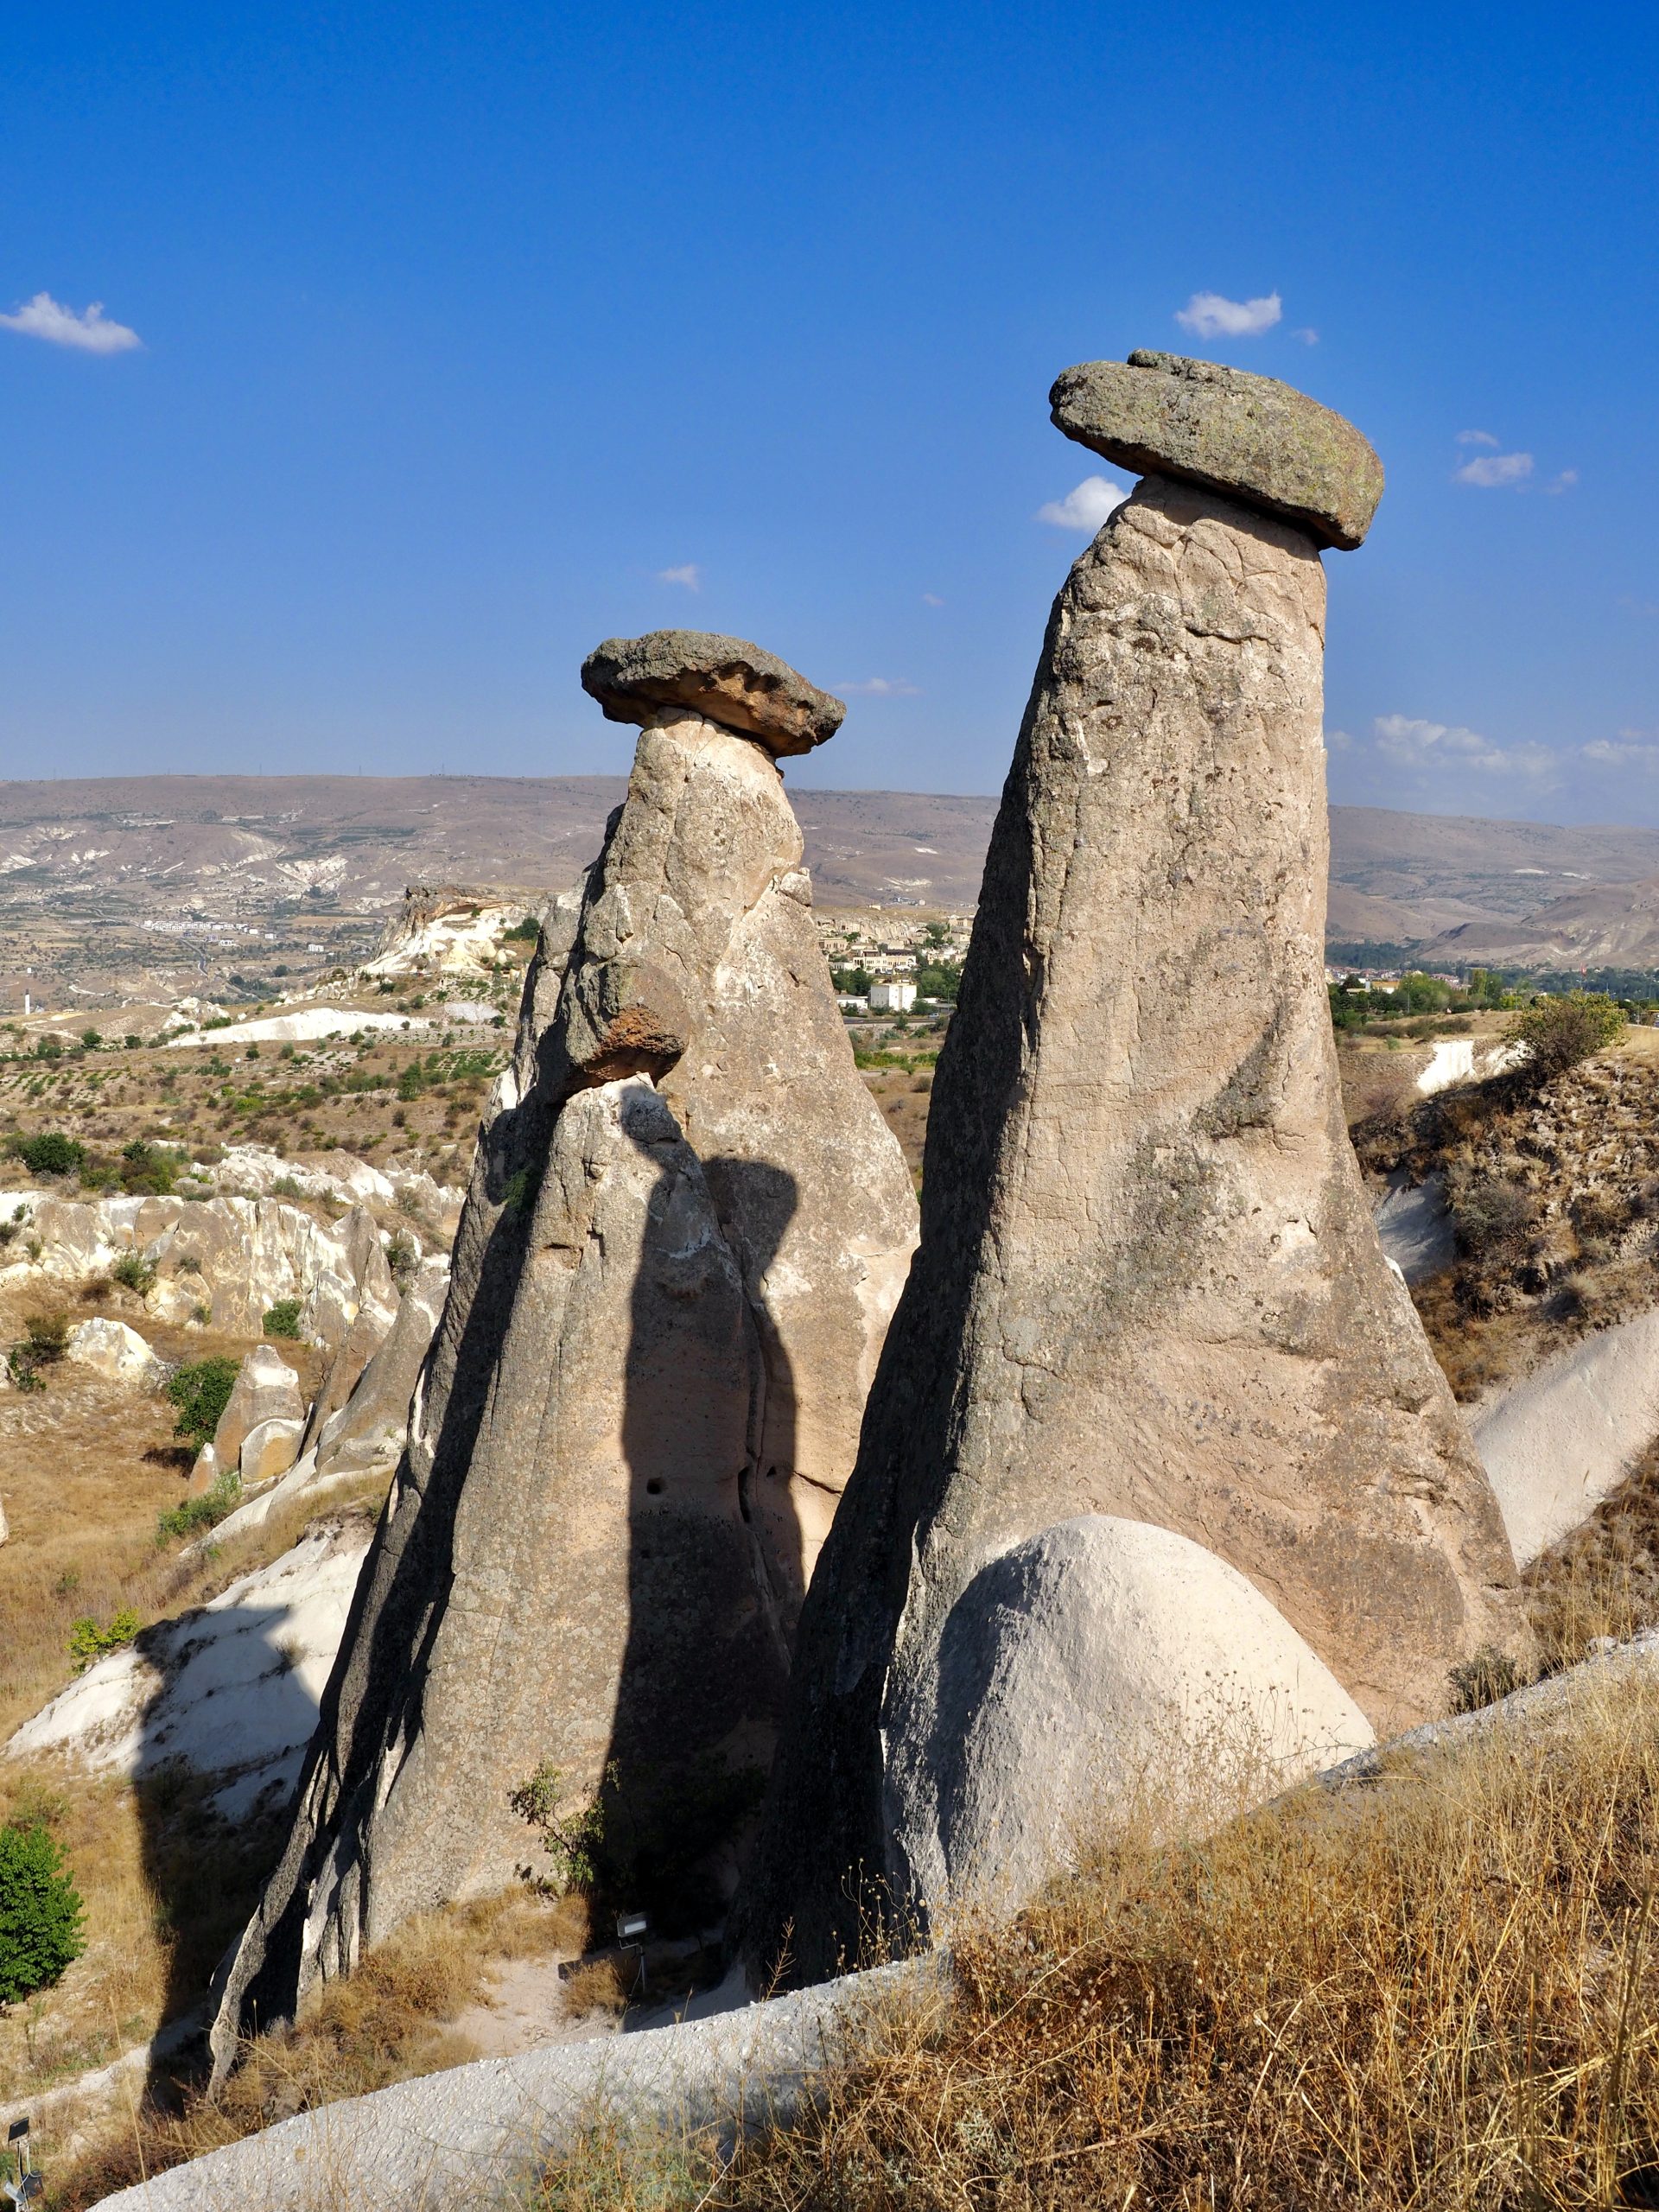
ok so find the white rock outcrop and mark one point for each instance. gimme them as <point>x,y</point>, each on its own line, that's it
<point>230,1689</point>
<point>112,1350</point>
<point>229,1259</point>
<point>1556,1443</point>
<point>1101,1670</point>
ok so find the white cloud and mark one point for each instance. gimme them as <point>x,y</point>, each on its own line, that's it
<point>59,326</point>
<point>1308,336</point>
<point>1564,482</point>
<point>1086,507</point>
<point>1478,438</point>
<point>1209,315</point>
<point>883,687</point>
<point>1632,749</point>
<point>931,599</point>
<point>1489,470</point>
<point>1409,742</point>
<point>688,574</point>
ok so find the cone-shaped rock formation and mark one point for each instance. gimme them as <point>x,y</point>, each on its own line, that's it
<point>687,1229</point>
<point>1148,1285</point>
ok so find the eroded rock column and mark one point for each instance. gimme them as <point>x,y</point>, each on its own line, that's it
<point>1148,1288</point>
<point>686,1231</point>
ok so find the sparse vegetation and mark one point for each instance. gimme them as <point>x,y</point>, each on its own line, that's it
<point>205,1511</point>
<point>88,1642</point>
<point>1435,1995</point>
<point>134,1272</point>
<point>282,1320</point>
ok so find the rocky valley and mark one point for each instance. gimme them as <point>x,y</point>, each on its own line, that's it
<point>552,1604</point>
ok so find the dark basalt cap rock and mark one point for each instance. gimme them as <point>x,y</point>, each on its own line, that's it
<point>1252,437</point>
<point>728,679</point>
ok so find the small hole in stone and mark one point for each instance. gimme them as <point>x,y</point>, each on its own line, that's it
<point>654,1487</point>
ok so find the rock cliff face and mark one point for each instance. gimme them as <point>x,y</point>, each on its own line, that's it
<point>686,1231</point>
<point>1148,1285</point>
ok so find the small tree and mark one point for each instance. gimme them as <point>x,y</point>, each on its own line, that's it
<point>40,1913</point>
<point>201,1394</point>
<point>1557,1032</point>
<point>282,1320</point>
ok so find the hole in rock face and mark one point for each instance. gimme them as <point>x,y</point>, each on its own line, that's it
<point>654,1487</point>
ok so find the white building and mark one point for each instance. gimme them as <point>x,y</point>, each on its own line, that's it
<point>892,998</point>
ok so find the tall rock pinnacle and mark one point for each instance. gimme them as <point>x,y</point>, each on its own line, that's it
<point>1148,1288</point>
<point>687,1228</point>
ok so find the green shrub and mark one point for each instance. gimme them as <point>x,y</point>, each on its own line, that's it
<point>149,1170</point>
<point>40,1913</point>
<point>525,932</point>
<point>87,1641</point>
<point>286,1187</point>
<point>199,1392</point>
<point>282,1320</point>
<point>133,1269</point>
<point>41,1346</point>
<point>51,1153</point>
<point>571,1841</point>
<point>1557,1032</point>
<point>203,1512</point>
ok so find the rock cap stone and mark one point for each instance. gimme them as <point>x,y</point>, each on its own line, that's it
<point>1251,436</point>
<point>727,679</point>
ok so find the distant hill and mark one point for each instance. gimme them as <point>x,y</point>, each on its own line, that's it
<point>242,884</point>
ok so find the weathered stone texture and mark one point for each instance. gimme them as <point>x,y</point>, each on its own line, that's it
<point>687,1228</point>
<point>1251,437</point>
<point>1149,1285</point>
<point>728,679</point>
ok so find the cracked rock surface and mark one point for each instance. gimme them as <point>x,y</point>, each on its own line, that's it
<point>686,1231</point>
<point>1148,1285</point>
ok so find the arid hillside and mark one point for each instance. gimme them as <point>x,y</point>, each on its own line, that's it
<point>240,886</point>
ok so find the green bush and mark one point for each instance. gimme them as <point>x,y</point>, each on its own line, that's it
<point>282,1320</point>
<point>133,1269</point>
<point>199,1394</point>
<point>87,1641</point>
<point>40,1913</point>
<point>42,1344</point>
<point>149,1170</point>
<point>51,1153</point>
<point>1557,1032</point>
<point>204,1512</point>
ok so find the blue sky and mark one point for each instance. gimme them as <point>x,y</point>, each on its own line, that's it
<point>472,335</point>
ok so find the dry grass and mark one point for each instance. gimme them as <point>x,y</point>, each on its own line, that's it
<point>601,1986</point>
<point>1437,1994</point>
<point>391,2022</point>
<point>1601,1581</point>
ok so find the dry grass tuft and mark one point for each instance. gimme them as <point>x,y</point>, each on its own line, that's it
<point>391,2021</point>
<point>1601,1582</point>
<point>600,1985</point>
<point>1436,1994</point>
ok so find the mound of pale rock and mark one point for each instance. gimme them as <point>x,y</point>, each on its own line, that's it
<point>1148,1287</point>
<point>687,1228</point>
<point>112,1350</point>
<point>1101,1666</point>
